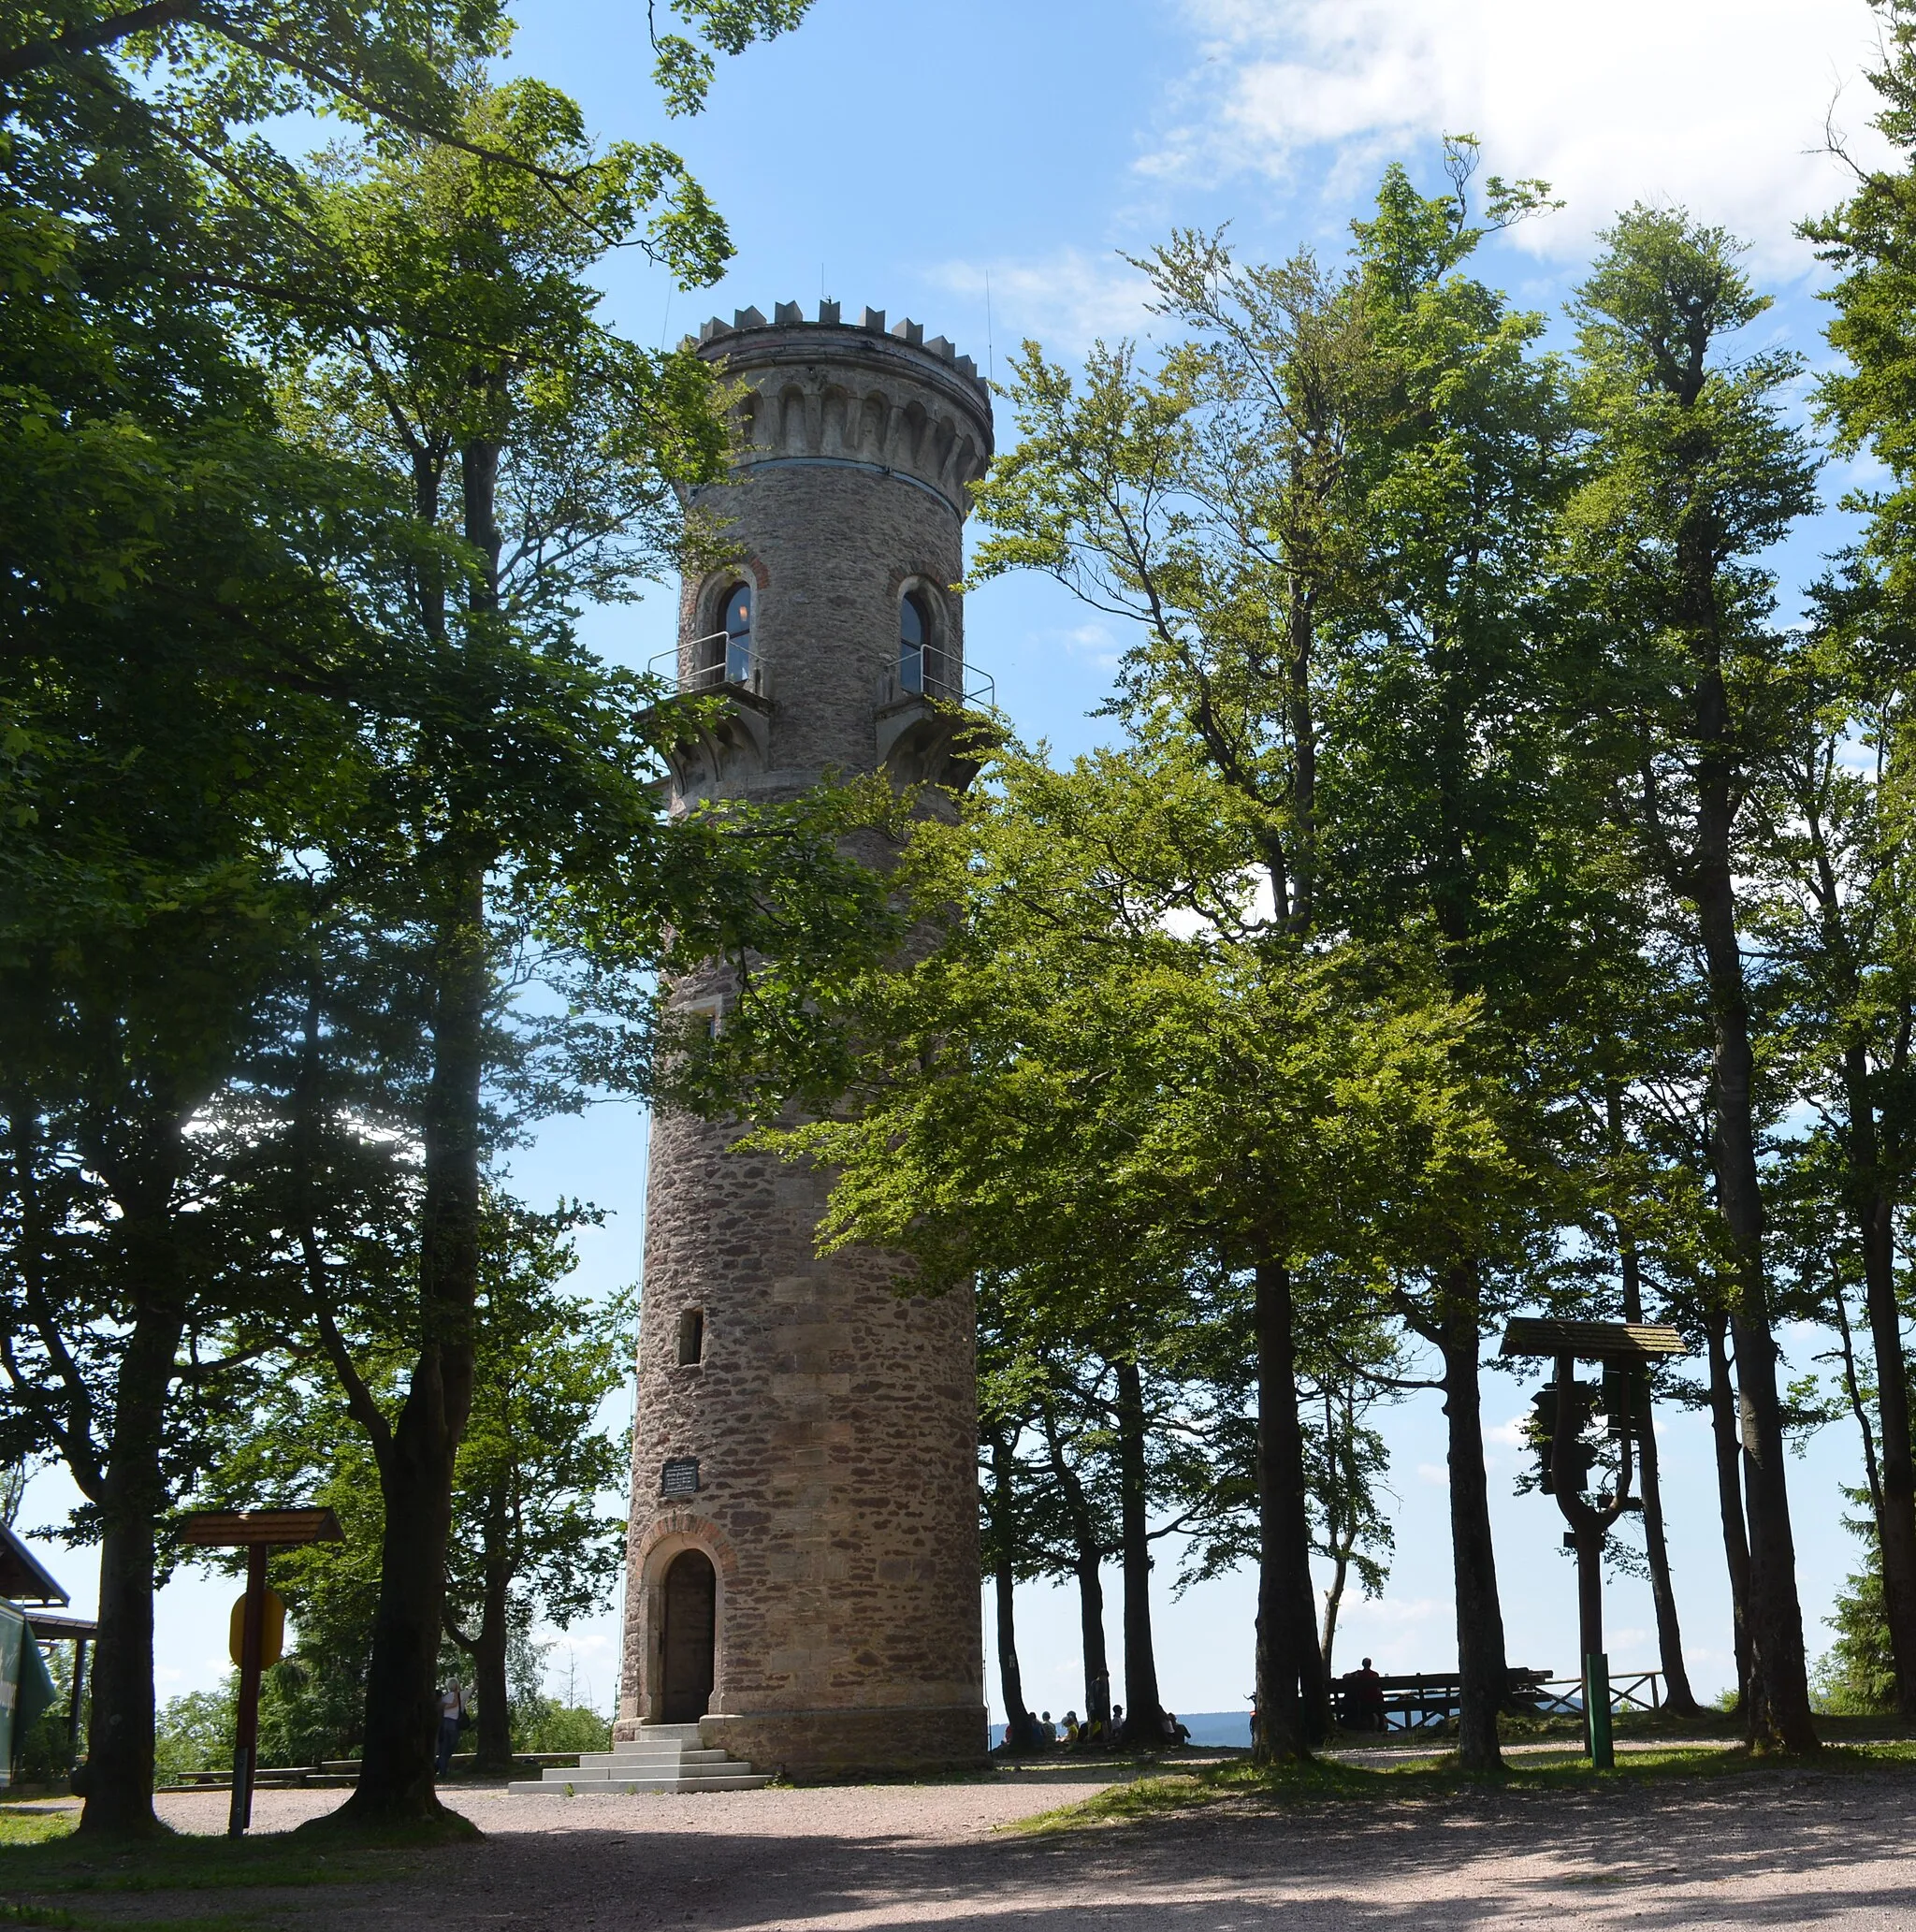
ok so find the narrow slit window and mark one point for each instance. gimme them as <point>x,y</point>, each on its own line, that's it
<point>691,1337</point>
<point>914,634</point>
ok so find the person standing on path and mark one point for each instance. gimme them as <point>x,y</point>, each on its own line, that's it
<point>452,1718</point>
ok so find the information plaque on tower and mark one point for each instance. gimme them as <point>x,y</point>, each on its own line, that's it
<point>680,1477</point>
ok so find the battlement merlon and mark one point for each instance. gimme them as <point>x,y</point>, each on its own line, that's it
<point>870,322</point>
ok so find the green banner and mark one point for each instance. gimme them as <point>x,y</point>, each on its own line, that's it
<point>26,1688</point>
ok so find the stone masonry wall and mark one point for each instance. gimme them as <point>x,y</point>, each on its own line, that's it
<point>834,1421</point>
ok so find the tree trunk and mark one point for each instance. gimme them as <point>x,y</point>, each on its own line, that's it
<point>1021,1732</point>
<point>1483,1669</point>
<point>1896,1514</point>
<point>1341,1534</point>
<point>1088,1557</point>
<point>1730,1498</point>
<point>492,1736</point>
<point>1293,1700</point>
<point>1777,1712</point>
<point>1679,1698</point>
<point>133,1489</point>
<point>119,1737</point>
<point>396,1776</point>
<point>1144,1719</point>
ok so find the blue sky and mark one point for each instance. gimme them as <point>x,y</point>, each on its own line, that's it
<point>913,154</point>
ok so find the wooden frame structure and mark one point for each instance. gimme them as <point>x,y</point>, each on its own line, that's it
<point>256,1532</point>
<point>1628,1346</point>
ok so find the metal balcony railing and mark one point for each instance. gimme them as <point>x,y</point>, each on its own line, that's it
<point>721,673</point>
<point>975,691</point>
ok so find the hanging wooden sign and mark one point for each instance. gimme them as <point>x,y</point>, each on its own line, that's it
<point>272,1630</point>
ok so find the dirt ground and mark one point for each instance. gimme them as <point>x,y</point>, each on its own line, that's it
<point>1792,1849</point>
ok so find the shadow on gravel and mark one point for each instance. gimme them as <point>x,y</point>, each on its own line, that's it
<point>1412,1865</point>
<point>1668,1856</point>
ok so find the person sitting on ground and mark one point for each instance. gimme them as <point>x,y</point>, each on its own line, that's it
<point>1070,1729</point>
<point>1046,1731</point>
<point>1117,1724</point>
<point>1179,1733</point>
<point>1092,1732</point>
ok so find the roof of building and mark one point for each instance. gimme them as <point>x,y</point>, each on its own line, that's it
<point>23,1579</point>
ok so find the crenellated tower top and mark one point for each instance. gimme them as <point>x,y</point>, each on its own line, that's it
<point>856,392</point>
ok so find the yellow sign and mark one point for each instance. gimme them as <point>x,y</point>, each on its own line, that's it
<point>273,1628</point>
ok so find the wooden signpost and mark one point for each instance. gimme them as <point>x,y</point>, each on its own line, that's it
<point>255,1530</point>
<point>1626,1350</point>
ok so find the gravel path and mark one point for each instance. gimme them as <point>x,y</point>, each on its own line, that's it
<point>1827,1851</point>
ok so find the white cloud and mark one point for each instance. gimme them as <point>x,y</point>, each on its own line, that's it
<point>1434,1473</point>
<point>1721,105</point>
<point>1400,1612</point>
<point>1066,302</point>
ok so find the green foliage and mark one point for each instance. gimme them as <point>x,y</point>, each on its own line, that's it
<point>534,1463</point>
<point>1856,1677</point>
<point>533,1470</point>
<point>194,1733</point>
<point>546,1724</point>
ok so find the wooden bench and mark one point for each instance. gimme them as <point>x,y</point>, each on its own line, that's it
<point>1424,1698</point>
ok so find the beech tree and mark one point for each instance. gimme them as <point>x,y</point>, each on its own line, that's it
<point>1854,885</point>
<point>1330,514</point>
<point>1694,471</point>
<point>189,619</point>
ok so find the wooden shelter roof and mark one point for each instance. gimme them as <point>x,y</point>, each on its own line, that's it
<point>1593,1341</point>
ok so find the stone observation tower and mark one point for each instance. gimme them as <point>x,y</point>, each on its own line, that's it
<point>803,1570</point>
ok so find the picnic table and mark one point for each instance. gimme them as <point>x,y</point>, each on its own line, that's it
<point>1424,1698</point>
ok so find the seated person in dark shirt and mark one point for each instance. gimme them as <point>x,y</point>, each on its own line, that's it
<point>1364,1695</point>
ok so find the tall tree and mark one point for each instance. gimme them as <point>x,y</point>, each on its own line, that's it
<point>187,626</point>
<point>1330,513</point>
<point>1695,472</point>
<point>543,458</point>
<point>1872,405</point>
<point>1210,502</point>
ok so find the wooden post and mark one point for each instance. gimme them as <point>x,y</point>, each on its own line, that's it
<point>246,1731</point>
<point>73,1700</point>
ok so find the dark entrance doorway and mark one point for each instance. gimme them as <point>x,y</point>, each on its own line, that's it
<point>692,1602</point>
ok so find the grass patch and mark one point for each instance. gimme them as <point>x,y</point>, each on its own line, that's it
<point>36,1827</point>
<point>1431,1776</point>
<point>174,1862</point>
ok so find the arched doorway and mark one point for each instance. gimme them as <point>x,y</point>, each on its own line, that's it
<point>691,1605</point>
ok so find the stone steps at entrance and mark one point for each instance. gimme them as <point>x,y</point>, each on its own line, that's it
<point>662,1757</point>
<point>650,1754</point>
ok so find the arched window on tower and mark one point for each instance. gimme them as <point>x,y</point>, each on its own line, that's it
<point>914,641</point>
<point>738,634</point>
